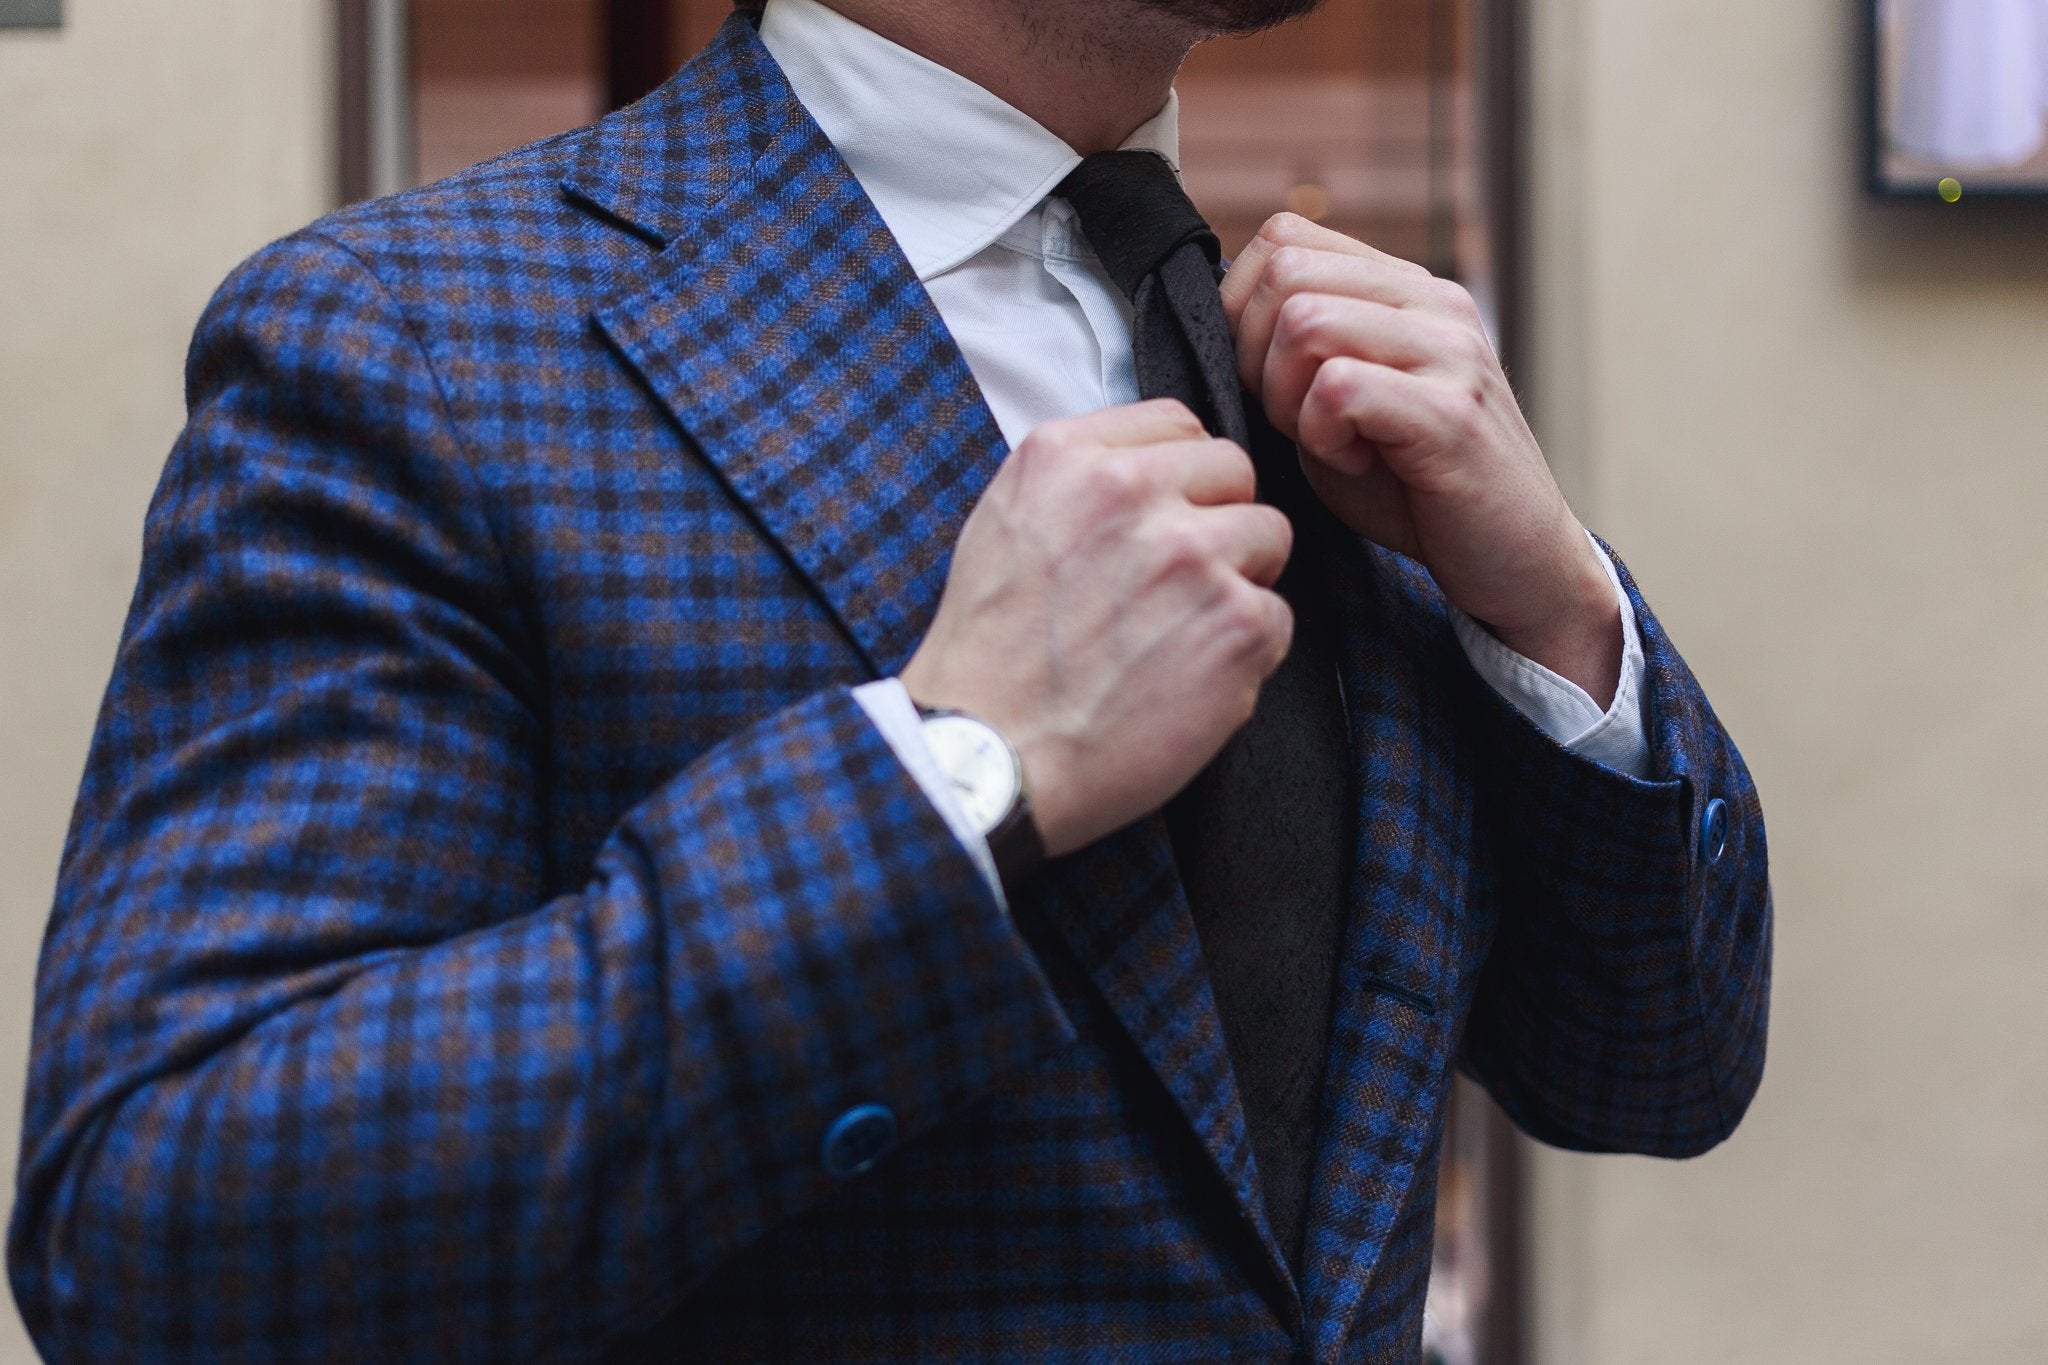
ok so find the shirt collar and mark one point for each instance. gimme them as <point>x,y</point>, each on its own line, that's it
<point>949,167</point>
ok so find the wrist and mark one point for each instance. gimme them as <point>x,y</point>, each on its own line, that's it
<point>1039,752</point>
<point>1579,636</point>
<point>988,788</point>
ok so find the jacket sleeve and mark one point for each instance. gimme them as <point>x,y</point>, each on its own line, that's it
<point>1624,1004</point>
<point>319,1072</point>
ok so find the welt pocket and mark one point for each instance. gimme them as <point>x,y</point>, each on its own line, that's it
<point>1415,1000</point>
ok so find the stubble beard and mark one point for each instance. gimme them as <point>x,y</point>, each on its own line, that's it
<point>1223,18</point>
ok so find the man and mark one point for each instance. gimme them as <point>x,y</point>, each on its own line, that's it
<point>630,824</point>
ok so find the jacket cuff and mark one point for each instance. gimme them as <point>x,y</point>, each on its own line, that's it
<point>888,704</point>
<point>1612,836</point>
<point>878,977</point>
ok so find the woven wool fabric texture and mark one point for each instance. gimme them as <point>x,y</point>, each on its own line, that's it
<point>484,893</point>
<point>1260,836</point>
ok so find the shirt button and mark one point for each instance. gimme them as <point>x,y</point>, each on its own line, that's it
<point>1714,831</point>
<point>858,1139</point>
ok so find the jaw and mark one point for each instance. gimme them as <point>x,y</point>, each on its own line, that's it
<point>1205,19</point>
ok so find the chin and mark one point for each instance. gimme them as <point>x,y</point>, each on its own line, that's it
<point>1225,17</point>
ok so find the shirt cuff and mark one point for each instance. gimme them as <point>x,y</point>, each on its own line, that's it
<point>889,706</point>
<point>1559,707</point>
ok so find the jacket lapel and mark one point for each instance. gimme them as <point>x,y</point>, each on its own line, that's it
<point>782,328</point>
<point>1121,907</point>
<point>1390,1039</point>
<point>786,334</point>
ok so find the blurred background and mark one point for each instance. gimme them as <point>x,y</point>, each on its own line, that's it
<point>1814,419</point>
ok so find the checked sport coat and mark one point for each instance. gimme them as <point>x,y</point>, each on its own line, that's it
<point>485,896</point>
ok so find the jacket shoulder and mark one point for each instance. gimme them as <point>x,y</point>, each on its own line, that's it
<point>511,203</point>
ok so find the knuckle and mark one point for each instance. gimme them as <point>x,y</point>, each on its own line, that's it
<point>1473,345</point>
<point>1456,298</point>
<point>1285,228</point>
<point>1300,319</point>
<point>1248,620</point>
<point>1282,637</point>
<point>1174,410</point>
<point>1454,340</point>
<point>1182,548</point>
<point>1241,623</point>
<point>1290,268</point>
<point>1257,628</point>
<point>1116,483</point>
<point>1337,381</point>
<point>1236,466</point>
<point>1048,440</point>
<point>1282,530</point>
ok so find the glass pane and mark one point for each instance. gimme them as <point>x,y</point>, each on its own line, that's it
<point>1462,1322</point>
<point>491,75</point>
<point>1362,117</point>
<point>1962,101</point>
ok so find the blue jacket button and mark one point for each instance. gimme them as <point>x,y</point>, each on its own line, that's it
<point>858,1139</point>
<point>1714,831</point>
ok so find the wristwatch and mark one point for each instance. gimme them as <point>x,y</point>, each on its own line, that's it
<point>988,782</point>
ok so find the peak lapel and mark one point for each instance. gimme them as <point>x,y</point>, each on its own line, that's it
<point>786,333</point>
<point>783,329</point>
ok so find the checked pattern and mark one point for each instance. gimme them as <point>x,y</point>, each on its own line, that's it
<point>484,893</point>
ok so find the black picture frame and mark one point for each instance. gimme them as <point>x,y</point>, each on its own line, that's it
<point>31,14</point>
<point>1882,175</point>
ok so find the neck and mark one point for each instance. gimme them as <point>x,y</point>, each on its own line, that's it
<point>1089,71</point>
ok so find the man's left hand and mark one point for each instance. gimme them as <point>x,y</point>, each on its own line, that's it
<point>1411,435</point>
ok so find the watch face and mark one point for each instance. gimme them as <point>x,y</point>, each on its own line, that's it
<point>978,763</point>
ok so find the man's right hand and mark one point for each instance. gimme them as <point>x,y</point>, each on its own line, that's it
<point>1110,610</point>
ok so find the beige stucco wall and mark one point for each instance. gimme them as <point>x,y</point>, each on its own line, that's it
<point>1818,429</point>
<point>143,150</point>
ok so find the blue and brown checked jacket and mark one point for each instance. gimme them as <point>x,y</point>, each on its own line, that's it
<point>485,899</point>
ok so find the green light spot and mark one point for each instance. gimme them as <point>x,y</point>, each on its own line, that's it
<point>1950,189</point>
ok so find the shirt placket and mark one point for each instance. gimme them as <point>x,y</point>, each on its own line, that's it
<point>1069,260</point>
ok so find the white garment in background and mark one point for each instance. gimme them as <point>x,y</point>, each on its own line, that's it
<point>2041,52</point>
<point>1972,82</point>
<point>963,182</point>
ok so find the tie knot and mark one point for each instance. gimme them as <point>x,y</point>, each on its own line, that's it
<point>1135,214</point>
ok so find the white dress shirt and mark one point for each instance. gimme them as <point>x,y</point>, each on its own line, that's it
<point>964,181</point>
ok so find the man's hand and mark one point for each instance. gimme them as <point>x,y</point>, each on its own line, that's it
<point>1109,609</point>
<point>1411,435</point>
